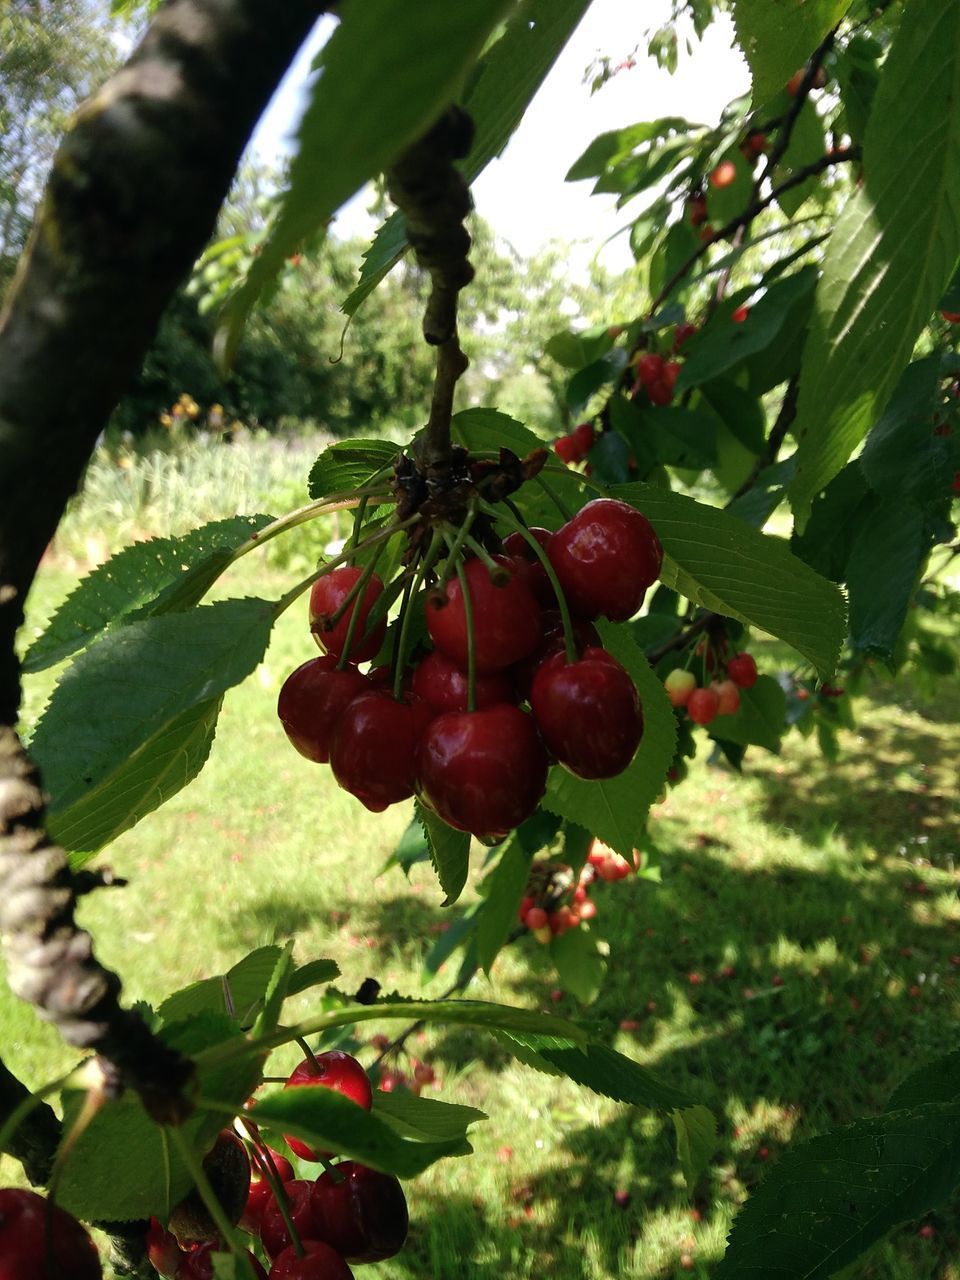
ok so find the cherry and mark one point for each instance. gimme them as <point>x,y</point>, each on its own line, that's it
<point>723,175</point>
<point>482,771</point>
<point>649,369</point>
<point>312,698</point>
<point>274,1235</point>
<point>163,1251</point>
<point>261,1192</point>
<point>754,145</point>
<point>605,558</point>
<point>440,682</point>
<point>739,314</point>
<point>682,334</point>
<point>660,393</point>
<point>703,706</point>
<point>585,636</point>
<point>320,1263</point>
<point>506,619</point>
<point>793,84</point>
<point>536,918</point>
<point>728,697</point>
<point>198,1264</point>
<point>359,1212</point>
<point>951,317</point>
<point>373,746</point>
<point>679,685</point>
<point>566,450</point>
<point>583,437</point>
<point>671,371</point>
<point>41,1241</point>
<point>529,566</point>
<point>697,210</point>
<point>742,670</point>
<point>332,1070</point>
<point>227,1167</point>
<point>588,713</point>
<point>327,595</point>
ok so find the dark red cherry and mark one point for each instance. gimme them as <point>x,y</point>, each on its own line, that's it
<point>327,595</point>
<point>438,680</point>
<point>742,670</point>
<point>374,744</point>
<point>274,1235</point>
<point>529,565</point>
<point>506,619</point>
<point>605,558</point>
<point>311,700</point>
<point>331,1070</point>
<point>363,1215</point>
<point>588,713</point>
<point>319,1263</point>
<point>34,1233</point>
<point>585,636</point>
<point>483,771</point>
<point>198,1264</point>
<point>261,1192</point>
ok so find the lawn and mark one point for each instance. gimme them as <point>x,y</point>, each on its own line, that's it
<point>797,957</point>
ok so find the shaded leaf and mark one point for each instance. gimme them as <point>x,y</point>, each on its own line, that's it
<point>887,556</point>
<point>761,720</point>
<point>580,964</point>
<point>449,852</point>
<point>505,884</point>
<point>778,36</point>
<point>696,1132</point>
<point>348,464</point>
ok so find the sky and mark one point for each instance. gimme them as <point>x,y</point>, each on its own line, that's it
<point>523,194</point>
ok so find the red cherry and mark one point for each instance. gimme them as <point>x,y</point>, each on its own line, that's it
<point>583,438</point>
<point>671,371</point>
<point>793,84</point>
<point>320,1263</point>
<point>723,175</point>
<point>951,317</point>
<point>163,1249</point>
<point>605,558</point>
<point>198,1264</point>
<point>506,619</point>
<point>440,682</point>
<point>312,698</point>
<point>274,1235</point>
<point>529,566</point>
<point>754,145</point>
<point>703,706</point>
<point>682,334</point>
<point>728,697</point>
<point>660,393</point>
<point>483,771</point>
<point>373,746</point>
<point>707,233</point>
<point>359,1212</point>
<point>566,450</point>
<point>739,314</point>
<point>536,918</point>
<point>261,1192</point>
<point>327,595</point>
<point>679,685</point>
<point>649,369</point>
<point>585,636</point>
<point>331,1070</point>
<point>33,1232</point>
<point>742,670</point>
<point>697,210</point>
<point>588,713</point>
<point>588,910</point>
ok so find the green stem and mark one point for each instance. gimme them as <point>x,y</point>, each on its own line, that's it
<point>202,1183</point>
<point>262,1158</point>
<point>471,642</point>
<point>302,515</point>
<point>406,613</point>
<point>563,471</point>
<point>496,571</point>
<point>308,1053</point>
<point>358,520</point>
<point>294,593</point>
<point>554,498</point>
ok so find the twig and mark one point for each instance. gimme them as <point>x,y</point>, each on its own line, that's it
<point>793,113</point>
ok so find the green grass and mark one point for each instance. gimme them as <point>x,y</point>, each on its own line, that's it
<point>829,889</point>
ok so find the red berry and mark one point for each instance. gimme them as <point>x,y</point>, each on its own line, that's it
<point>311,700</point>
<point>660,393</point>
<point>274,1235</point>
<point>793,84</point>
<point>261,1192</point>
<point>331,1070</point>
<point>320,1263</point>
<point>703,706</point>
<point>588,713</point>
<point>588,910</point>
<point>526,905</point>
<point>536,918</point>
<point>671,371</point>
<point>728,697</point>
<point>359,1212</point>
<point>956,482</point>
<point>198,1264</point>
<point>506,619</point>
<point>561,920</point>
<point>482,771</point>
<point>163,1250</point>
<point>327,595</point>
<point>679,685</point>
<point>739,314</point>
<point>440,682</point>
<point>529,566</point>
<point>951,317</point>
<point>566,450</point>
<point>649,369</point>
<point>754,145</point>
<point>697,210</point>
<point>742,670</point>
<point>374,744</point>
<point>583,438</point>
<point>724,174</point>
<point>605,559</point>
<point>33,1232</point>
<point>585,636</point>
<point>682,333</point>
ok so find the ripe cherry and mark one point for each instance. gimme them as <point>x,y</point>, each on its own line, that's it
<point>319,1263</point>
<point>331,1070</point>
<point>41,1241</point>
<point>739,314</point>
<point>605,558</point>
<point>536,918</point>
<point>583,438</point>
<point>163,1251</point>
<point>703,706</point>
<point>440,682</point>
<point>198,1264</point>
<point>311,700</point>
<point>327,595</point>
<point>679,685</point>
<point>588,713</point>
<point>566,450</point>
<point>529,566</point>
<point>373,747</point>
<point>742,670</point>
<point>506,619</point>
<point>274,1235</point>
<point>951,317</point>
<point>682,334</point>
<point>671,371</point>
<point>585,636</point>
<point>482,771</point>
<point>660,393</point>
<point>697,210</point>
<point>649,369</point>
<point>359,1212</point>
<point>754,145</point>
<point>261,1192</point>
<point>723,175</point>
<point>728,697</point>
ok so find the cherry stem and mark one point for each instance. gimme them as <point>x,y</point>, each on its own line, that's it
<point>569,641</point>
<point>554,498</point>
<point>471,644</point>
<point>334,1172</point>
<point>308,1053</point>
<point>202,1183</point>
<point>381,535</point>
<point>356,591</point>
<point>406,613</point>
<point>358,515</point>
<point>496,571</point>
<point>456,546</point>
<point>261,1157</point>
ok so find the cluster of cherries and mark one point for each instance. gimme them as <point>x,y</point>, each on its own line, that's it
<point>704,703</point>
<point>350,1214</point>
<point>465,746</point>
<point>542,909</point>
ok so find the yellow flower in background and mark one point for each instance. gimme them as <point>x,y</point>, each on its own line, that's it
<point>166,420</point>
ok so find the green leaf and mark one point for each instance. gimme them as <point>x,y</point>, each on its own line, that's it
<point>874,297</point>
<point>505,884</point>
<point>696,1130</point>
<point>313,974</point>
<point>902,457</point>
<point>761,720</point>
<point>348,464</point>
<point>609,149</point>
<point>449,852</point>
<point>888,553</point>
<point>413,848</point>
<point>580,964</point>
<point>837,516</point>
<point>807,145</point>
<point>242,987</point>
<point>386,74</point>
<point>277,990</point>
<point>587,381</point>
<point>575,350</point>
<point>113,706</point>
<point>139,581</point>
<point>778,36</point>
<point>936,1081</point>
<point>615,809</point>
<point>858,76</point>
<point>386,250</point>
<point>721,563</point>
<point>424,1118</point>
<point>829,1199</point>
<point>742,412</point>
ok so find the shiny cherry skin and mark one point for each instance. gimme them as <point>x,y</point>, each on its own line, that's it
<point>703,706</point>
<point>605,558</point>
<point>327,595</point>
<point>585,636</point>
<point>274,1235</point>
<point>373,747</point>
<point>332,1070</point>
<point>529,565</point>
<point>198,1264</point>
<point>438,680</point>
<point>728,697</point>
<point>312,698</point>
<point>588,713</point>
<point>25,1251</point>
<point>363,1215</point>
<point>649,369</point>
<point>163,1251</point>
<point>261,1192</point>
<point>506,619</point>
<point>319,1263</point>
<point>742,670</point>
<point>482,771</point>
